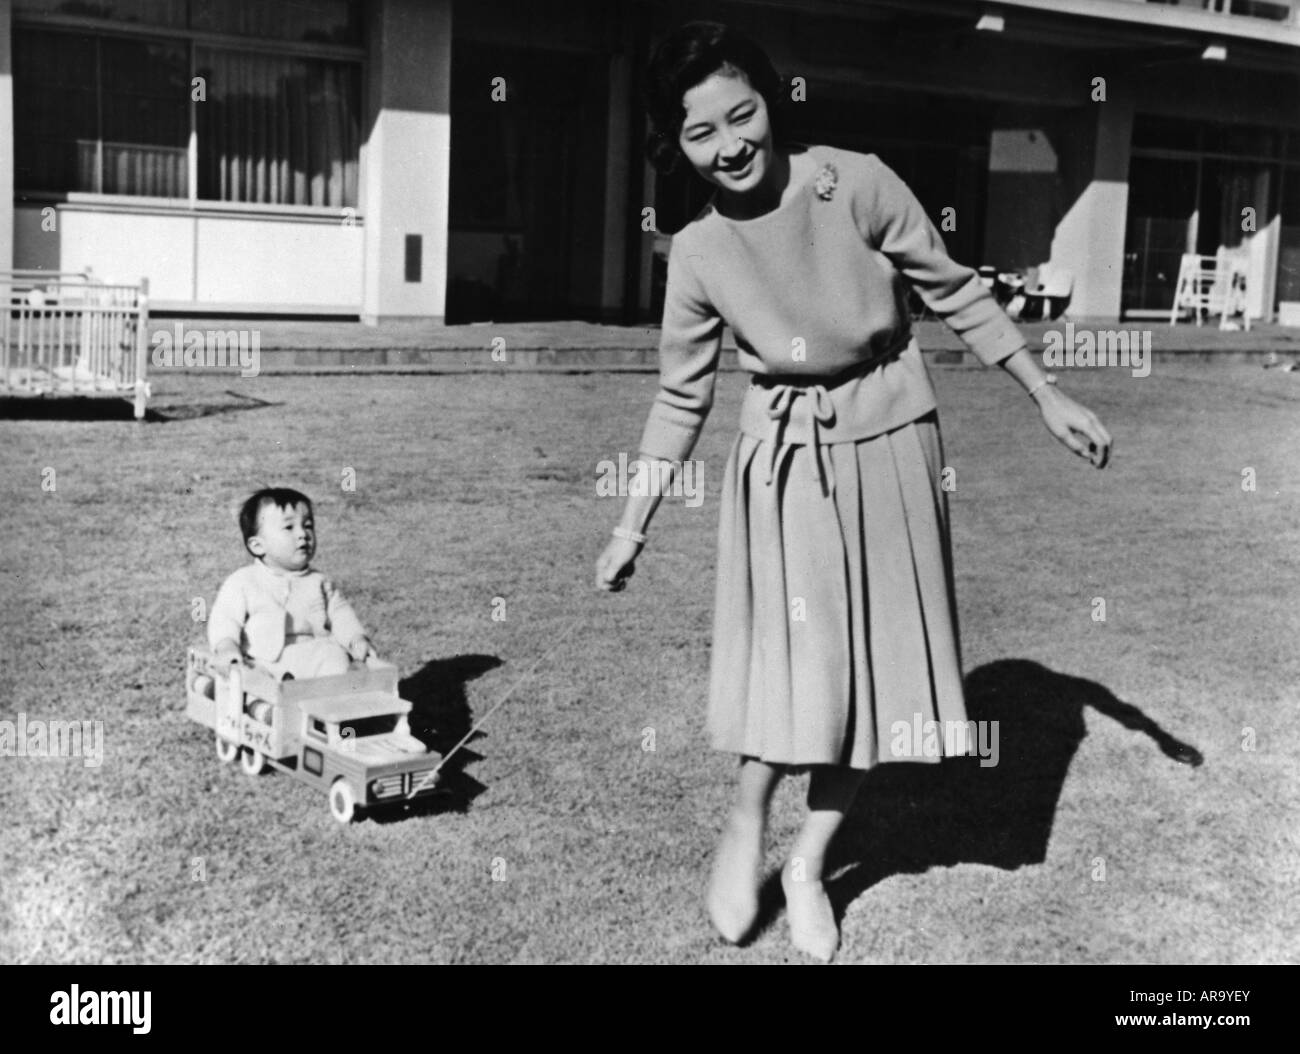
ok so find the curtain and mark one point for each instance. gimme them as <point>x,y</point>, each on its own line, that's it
<point>144,88</point>
<point>1241,186</point>
<point>278,131</point>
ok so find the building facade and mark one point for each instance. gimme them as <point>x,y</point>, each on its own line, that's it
<point>465,160</point>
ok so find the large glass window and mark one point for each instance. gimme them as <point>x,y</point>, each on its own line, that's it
<point>1288,270</point>
<point>114,112</point>
<point>56,108</point>
<point>107,115</point>
<point>309,21</point>
<point>143,119</point>
<point>279,131</point>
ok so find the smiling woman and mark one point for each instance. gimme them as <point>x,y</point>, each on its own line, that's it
<point>728,127</point>
<point>728,139</point>
<point>835,615</point>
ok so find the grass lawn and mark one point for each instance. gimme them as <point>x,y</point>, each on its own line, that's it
<point>1091,841</point>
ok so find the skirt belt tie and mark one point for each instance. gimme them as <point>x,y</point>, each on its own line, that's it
<point>821,411</point>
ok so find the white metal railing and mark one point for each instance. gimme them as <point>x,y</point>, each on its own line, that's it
<point>1252,19</point>
<point>68,333</point>
<point>1284,11</point>
<point>132,168</point>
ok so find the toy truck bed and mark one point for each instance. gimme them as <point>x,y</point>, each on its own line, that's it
<point>347,733</point>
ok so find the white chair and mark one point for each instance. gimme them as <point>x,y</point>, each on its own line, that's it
<point>1212,285</point>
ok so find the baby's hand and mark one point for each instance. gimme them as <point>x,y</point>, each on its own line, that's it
<point>227,653</point>
<point>361,649</point>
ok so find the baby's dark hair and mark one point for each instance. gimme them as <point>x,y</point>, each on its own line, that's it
<point>280,497</point>
<point>686,57</point>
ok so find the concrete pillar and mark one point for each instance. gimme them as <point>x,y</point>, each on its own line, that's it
<point>1264,243</point>
<point>406,160</point>
<point>6,139</point>
<point>1089,239</point>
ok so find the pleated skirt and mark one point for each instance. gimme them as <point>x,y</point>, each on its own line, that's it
<point>835,620</point>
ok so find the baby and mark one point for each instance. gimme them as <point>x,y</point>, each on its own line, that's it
<point>277,612</point>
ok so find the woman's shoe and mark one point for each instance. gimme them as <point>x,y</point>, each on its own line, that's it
<point>813,929</point>
<point>734,884</point>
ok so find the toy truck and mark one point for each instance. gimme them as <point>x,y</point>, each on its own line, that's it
<point>347,734</point>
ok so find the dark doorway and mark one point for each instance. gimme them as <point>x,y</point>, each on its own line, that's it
<point>1182,205</point>
<point>528,131</point>
<point>1162,216</point>
<point>1288,270</point>
<point>1228,188</point>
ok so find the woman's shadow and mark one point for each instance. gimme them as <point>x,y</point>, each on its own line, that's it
<point>910,817</point>
<point>440,719</point>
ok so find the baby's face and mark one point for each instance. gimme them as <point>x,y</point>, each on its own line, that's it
<point>285,538</point>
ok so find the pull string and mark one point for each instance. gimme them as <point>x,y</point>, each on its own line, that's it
<point>573,623</point>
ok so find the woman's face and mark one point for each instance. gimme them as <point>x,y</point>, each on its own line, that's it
<point>726,135</point>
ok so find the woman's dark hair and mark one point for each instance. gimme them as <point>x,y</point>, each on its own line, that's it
<point>685,57</point>
<point>280,497</point>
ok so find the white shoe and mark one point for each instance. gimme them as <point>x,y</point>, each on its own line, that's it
<point>812,918</point>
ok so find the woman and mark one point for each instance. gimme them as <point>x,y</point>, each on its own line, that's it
<point>835,613</point>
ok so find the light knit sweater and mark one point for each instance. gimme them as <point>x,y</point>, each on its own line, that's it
<point>264,611</point>
<point>812,289</point>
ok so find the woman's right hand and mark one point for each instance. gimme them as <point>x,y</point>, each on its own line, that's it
<point>616,565</point>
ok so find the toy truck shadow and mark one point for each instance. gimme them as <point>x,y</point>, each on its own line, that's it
<point>347,734</point>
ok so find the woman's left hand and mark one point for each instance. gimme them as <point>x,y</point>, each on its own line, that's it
<point>616,565</point>
<point>1076,426</point>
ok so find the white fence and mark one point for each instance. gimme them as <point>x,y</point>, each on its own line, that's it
<point>64,333</point>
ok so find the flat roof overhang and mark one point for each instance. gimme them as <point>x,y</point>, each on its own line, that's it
<point>1112,26</point>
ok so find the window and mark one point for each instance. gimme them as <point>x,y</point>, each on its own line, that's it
<point>317,728</point>
<point>304,21</point>
<point>362,727</point>
<point>279,131</point>
<point>77,129</point>
<point>1235,141</point>
<point>113,113</point>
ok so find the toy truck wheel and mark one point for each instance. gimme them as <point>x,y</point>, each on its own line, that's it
<point>226,750</point>
<point>343,802</point>
<point>253,762</point>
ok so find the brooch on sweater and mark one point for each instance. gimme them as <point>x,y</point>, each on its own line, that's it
<point>826,180</point>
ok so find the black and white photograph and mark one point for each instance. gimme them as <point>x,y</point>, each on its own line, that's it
<point>749,482</point>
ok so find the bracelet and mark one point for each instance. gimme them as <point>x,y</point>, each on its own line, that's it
<point>629,535</point>
<point>1047,379</point>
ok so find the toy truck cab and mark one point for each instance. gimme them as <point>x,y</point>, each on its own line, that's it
<point>348,734</point>
<point>359,744</point>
